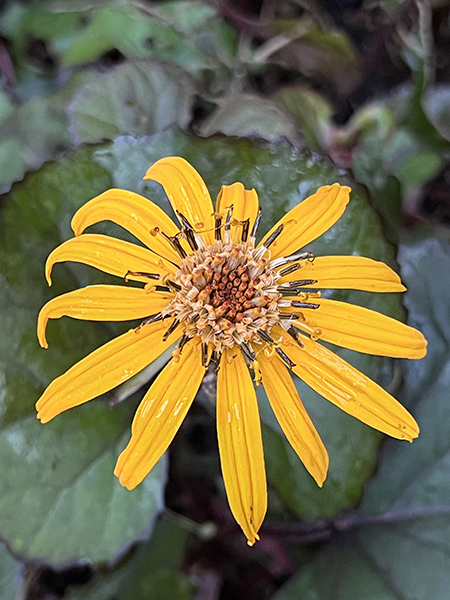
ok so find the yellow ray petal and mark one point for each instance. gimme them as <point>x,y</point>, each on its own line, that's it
<point>244,203</point>
<point>102,303</point>
<point>240,444</point>
<point>133,212</point>
<point>362,329</point>
<point>110,255</point>
<point>160,415</point>
<point>105,368</point>
<point>309,219</point>
<point>348,272</point>
<point>187,193</point>
<point>292,416</point>
<point>348,388</point>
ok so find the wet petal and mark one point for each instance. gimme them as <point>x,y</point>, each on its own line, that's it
<point>133,212</point>
<point>240,444</point>
<point>349,389</point>
<point>244,203</point>
<point>309,219</point>
<point>362,329</point>
<point>110,255</point>
<point>292,416</point>
<point>187,193</point>
<point>102,303</point>
<point>160,415</point>
<point>105,368</point>
<point>348,272</point>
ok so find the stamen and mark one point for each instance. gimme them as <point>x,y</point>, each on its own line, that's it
<point>228,225</point>
<point>293,333</point>
<point>284,260</point>
<point>173,286</point>
<point>142,274</point>
<point>204,354</point>
<point>175,243</point>
<point>188,231</point>
<point>285,358</point>
<point>274,236</point>
<point>182,343</point>
<point>218,228</point>
<point>171,329</point>
<point>297,304</point>
<point>294,284</point>
<point>215,357</point>
<point>255,227</point>
<point>245,227</point>
<point>247,351</point>
<point>151,319</point>
<point>265,336</point>
<point>286,316</point>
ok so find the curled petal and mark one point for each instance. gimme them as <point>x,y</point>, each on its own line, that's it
<point>187,193</point>
<point>309,219</point>
<point>138,215</point>
<point>349,389</point>
<point>102,303</point>
<point>292,416</point>
<point>160,415</point>
<point>110,255</point>
<point>362,329</point>
<point>348,272</point>
<point>240,444</point>
<point>244,203</point>
<point>104,369</point>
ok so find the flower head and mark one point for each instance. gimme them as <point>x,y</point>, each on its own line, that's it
<point>247,308</point>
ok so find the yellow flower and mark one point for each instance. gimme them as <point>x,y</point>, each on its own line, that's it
<point>238,305</point>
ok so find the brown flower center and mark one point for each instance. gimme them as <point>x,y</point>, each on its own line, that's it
<point>228,294</point>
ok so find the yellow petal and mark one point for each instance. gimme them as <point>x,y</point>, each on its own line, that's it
<point>348,272</point>
<point>105,368</point>
<point>102,303</point>
<point>362,329</point>
<point>240,444</point>
<point>133,212</point>
<point>348,388</point>
<point>110,255</point>
<point>309,219</point>
<point>292,416</point>
<point>244,203</point>
<point>187,193</point>
<point>160,415</point>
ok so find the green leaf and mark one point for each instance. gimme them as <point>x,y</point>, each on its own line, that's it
<point>316,52</point>
<point>123,27</point>
<point>245,115</point>
<point>152,571</point>
<point>415,479</point>
<point>436,105</point>
<point>397,545</point>
<point>59,499</point>
<point>33,132</point>
<point>312,112</point>
<point>137,98</point>
<point>10,575</point>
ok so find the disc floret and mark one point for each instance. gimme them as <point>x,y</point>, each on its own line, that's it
<point>226,294</point>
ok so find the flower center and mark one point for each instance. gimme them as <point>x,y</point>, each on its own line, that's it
<point>227,294</point>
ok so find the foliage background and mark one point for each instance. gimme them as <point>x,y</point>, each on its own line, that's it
<point>284,96</point>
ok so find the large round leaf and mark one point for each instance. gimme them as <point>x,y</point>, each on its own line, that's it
<point>65,467</point>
